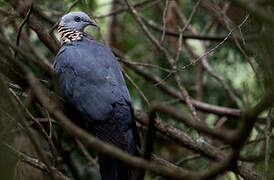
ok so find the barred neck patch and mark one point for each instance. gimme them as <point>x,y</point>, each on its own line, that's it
<point>68,35</point>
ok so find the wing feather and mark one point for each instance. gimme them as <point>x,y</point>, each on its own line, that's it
<point>92,82</point>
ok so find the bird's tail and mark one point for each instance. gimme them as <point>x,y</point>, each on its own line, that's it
<point>113,169</point>
<point>120,131</point>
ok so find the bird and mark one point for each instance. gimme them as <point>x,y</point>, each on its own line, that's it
<point>92,84</point>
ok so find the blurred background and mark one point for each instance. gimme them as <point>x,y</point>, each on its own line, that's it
<point>211,60</point>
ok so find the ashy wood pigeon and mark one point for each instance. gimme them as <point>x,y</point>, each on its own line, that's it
<point>92,84</point>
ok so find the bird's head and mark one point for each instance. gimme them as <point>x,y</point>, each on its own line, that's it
<point>76,21</point>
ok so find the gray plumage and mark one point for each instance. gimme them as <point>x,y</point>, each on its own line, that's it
<point>92,83</point>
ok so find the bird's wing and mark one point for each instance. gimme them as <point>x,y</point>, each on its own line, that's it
<point>91,79</point>
<point>92,82</point>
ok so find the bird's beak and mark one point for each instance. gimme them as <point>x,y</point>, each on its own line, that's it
<point>92,23</point>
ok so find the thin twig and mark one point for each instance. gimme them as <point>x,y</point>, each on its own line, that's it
<point>137,87</point>
<point>172,33</point>
<point>144,64</point>
<point>124,9</point>
<point>205,54</point>
<point>194,9</point>
<point>21,27</point>
<point>87,155</point>
<point>177,77</point>
<point>164,21</point>
<point>35,163</point>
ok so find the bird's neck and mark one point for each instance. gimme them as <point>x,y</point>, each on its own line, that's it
<point>68,35</point>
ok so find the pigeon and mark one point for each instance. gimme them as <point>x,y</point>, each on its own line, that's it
<point>92,84</point>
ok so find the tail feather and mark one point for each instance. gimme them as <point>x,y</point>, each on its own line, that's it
<point>120,131</point>
<point>113,169</point>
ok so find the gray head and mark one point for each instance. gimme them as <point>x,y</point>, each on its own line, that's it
<point>76,21</point>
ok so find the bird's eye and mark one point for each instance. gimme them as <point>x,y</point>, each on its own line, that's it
<point>77,19</point>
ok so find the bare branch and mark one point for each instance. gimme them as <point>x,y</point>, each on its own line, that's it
<point>36,163</point>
